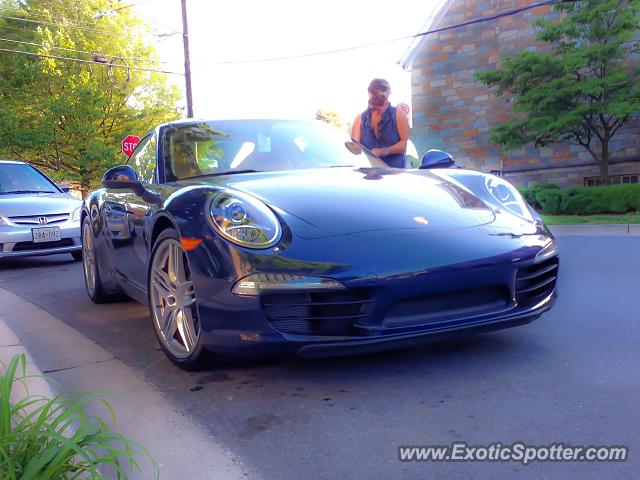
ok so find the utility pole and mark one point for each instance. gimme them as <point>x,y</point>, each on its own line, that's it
<point>187,62</point>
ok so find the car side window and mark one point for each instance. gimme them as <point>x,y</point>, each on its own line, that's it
<point>143,159</point>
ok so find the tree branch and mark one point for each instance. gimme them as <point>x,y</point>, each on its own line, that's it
<point>592,127</point>
<point>620,123</point>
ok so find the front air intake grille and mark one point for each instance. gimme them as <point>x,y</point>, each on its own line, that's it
<point>536,282</point>
<point>40,219</point>
<point>325,313</point>
<point>442,307</point>
<point>26,246</point>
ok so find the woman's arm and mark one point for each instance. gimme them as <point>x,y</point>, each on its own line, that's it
<point>356,133</point>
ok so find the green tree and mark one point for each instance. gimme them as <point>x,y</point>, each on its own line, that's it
<point>332,118</point>
<point>581,89</point>
<point>69,117</point>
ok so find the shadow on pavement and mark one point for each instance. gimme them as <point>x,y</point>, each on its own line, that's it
<point>35,262</point>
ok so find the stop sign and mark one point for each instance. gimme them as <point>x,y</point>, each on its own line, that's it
<point>129,144</point>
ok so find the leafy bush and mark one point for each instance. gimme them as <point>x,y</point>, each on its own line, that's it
<point>531,193</point>
<point>55,439</point>
<point>584,200</point>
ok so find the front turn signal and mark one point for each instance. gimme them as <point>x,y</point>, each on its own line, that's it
<point>190,243</point>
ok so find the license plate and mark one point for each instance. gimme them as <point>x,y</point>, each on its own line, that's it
<point>46,234</point>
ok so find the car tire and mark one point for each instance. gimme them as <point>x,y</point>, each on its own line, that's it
<point>173,307</point>
<point>77,256</point>
<point>91,268</point>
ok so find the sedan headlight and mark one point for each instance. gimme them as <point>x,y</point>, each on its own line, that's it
<point>508,196</point>
<point>244,220</point>
<point>75,216</point>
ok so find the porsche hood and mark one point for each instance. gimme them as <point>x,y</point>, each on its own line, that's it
<point>343,200</point>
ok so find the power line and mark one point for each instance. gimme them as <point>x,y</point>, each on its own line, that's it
<point>113,10</point>
<point>72,25</point>
<point>16,29</point>
<point>40,15</point>
<point>163,25</point>
<point>42,22</point>
<point>80,60</point>
<point>393,40</point>
<point>137,59</point>
<point>68,24</point>
<point>130,5</point>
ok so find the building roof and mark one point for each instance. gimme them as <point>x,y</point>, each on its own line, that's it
<point>440,10</point>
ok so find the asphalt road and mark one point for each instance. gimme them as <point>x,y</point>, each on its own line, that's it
<point>573,377</point>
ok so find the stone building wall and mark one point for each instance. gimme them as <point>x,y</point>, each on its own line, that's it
<point>454,112</point>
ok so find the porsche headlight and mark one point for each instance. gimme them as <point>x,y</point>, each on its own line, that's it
<point>244,220</point>
<point>75,216</point>
<point>549,250</point>
<point>508,196</point>
<point>256,283</point>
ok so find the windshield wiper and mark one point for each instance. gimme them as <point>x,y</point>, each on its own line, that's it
<point>26,191</point>
<point>227,172</point>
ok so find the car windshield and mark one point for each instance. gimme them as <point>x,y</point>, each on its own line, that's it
<point>22,178</point>
<point>209,148</point>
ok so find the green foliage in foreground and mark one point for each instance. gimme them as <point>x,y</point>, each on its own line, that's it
<point>610,199</point>
<point>55,439</point>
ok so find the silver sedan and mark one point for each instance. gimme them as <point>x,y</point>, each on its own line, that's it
<point>37,217</point>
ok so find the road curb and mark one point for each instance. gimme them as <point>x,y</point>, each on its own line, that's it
<point>596,230</point>
<point>143,414</point>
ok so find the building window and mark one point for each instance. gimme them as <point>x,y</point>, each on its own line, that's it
<point>592,182</point>
<point>613,180</point>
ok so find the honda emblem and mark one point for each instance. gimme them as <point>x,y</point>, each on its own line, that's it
<point>43,220</point>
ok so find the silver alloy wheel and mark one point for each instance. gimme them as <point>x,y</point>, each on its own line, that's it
<point>173,300</point>
<point>88,258</point>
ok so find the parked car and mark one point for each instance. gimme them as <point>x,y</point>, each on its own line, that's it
<point>270,237</point>
<point>37,217</point>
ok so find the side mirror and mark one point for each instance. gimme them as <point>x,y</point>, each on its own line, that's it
<point>437,159</point>
<point>122,177</point>
<point>64,187</point>
<point>353,147</point>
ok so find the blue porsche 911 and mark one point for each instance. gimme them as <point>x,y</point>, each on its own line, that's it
<point>286,237</point>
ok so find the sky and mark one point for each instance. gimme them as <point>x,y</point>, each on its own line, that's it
<point>257,29</point>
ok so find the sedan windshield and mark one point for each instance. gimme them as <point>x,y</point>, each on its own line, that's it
<point>210,148</point>
<point>22,178</point>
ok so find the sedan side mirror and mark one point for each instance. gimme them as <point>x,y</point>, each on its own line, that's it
<point>437,159</point>
<point>64,187</point>
<point>122,177</point>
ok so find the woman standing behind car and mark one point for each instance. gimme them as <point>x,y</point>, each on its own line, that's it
<point>381,128</point>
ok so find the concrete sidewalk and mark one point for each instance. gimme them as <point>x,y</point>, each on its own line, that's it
<point>10,345</point>
<point>595,230</point>
<point>179,446</point>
